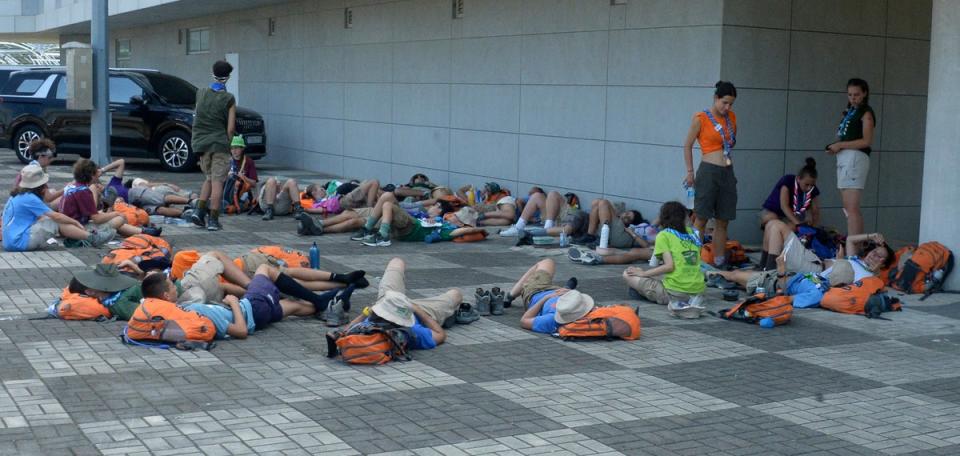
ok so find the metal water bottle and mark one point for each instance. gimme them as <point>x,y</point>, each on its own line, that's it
<point>314,256</point>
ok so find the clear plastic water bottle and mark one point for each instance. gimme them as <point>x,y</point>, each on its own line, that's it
<point>564,242</point>
<point>604,236</point>
<point>691,195</point>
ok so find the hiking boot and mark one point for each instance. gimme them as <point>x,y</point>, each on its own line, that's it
<point>525,238</point>
<point>466,314</point>
<point>214,224</point>
<point>590,258</point>
<point>199,218</point>
<point>360,235</point>
<point>267,214</point>
<point>335,315</point>
<point>99,238</point>
<point>297,211</point>
<point>496,301</point>
<point>377,240</point>
<point>585,239</point>
<point>510,232</point>
<point>151,230</point>
<point>483,301</point>
<point>307,227</point>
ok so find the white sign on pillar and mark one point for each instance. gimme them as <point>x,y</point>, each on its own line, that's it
<point>233,84</point>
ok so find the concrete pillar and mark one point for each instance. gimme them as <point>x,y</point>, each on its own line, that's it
<point>940,204</point>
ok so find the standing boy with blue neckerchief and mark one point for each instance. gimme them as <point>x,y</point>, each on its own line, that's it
<point>213,129</point>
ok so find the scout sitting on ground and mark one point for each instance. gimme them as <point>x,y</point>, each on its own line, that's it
<point>43,151</point>
<point>80,202</point>
<point>422,316</point>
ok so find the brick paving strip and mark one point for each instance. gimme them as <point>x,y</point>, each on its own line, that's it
<point>827,384</point>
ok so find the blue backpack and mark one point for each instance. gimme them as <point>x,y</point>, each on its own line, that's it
<point>820,241</point>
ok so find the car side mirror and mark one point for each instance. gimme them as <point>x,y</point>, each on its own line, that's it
<point>137,100</point>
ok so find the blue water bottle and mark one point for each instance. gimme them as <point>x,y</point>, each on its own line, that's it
<point>314,256</point>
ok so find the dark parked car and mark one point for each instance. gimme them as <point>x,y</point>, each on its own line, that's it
<point>152,116</point>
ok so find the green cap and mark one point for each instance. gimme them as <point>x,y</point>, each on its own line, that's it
<point>238,142</point>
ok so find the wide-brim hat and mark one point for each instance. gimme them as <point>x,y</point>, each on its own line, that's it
<point>394,307</point>
<point>841,273</point>
<point>104,277</point>
<point>572,306</point>
<point>467,215</point>
<point>33,176</point>
<point>507,200</point>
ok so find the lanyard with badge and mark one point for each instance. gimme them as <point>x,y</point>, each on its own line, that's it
<point>845,123</point>
<point>727,145</point>
<point>801,199</point>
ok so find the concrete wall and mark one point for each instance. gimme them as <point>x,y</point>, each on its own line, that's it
<point>572,94</point>
<point>791,61</point>
<point>18,16</point>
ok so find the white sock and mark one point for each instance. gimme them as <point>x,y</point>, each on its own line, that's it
<point>520,224</point>
<point>548,224</point>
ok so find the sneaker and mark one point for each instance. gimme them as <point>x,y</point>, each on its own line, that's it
<point>683,309</point>
<point>591,258</point>
<point>187,214</point>
<point>335,315</point>
<point>525,238</point>
<point>466,314</point>
<point>376,240</point>
<point>449,321</point>
<point>199,218</point>
<point>360,235</point>
<point>496,301</point>
<point>213,224</point>
<point>510,232</point>
<point>717,281</point>
<point>267,214</point>
<point>151,230</point>
<point>574,254</point>
<point>483,301</point>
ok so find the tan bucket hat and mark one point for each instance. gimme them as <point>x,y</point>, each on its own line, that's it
<point>572,306</point>
<point>395,308</point>
<point>33,176</point>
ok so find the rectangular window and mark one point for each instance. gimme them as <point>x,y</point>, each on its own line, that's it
<point>198,40</point>
<point>123,52</point>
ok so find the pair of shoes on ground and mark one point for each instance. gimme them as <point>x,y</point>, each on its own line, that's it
<point>370,238</point>
<point>584,256</point>
<point>336,314</point>
<point>491,302</point>
<point>464,315</point>
<point>691,309</point>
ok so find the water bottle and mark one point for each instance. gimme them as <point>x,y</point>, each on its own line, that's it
<point>563,239</point>
<point>604,236</point>
<point>314,256</point>
<point>472,197</point>
<point>691,194</point>
<point>760,291</point>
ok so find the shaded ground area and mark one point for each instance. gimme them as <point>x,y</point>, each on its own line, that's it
<point>826,384</point>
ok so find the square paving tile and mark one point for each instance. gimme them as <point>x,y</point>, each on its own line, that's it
<point>562,442</point>
<point>603,397</point>
<point>889,419</point>
<point>419,418</point>
<point>909,323</point>
<point>105,356</point>
<point>29,403</point>
<point>799,333</point>
<point>890,362</point>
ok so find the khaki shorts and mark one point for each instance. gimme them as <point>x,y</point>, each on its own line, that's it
<point>356,198</point>
<point>201,284</point>
<point>403,223</point>
<point>215,165</point>
<point>439,307</point>
<point>540,281</point>
<point>853,166</point>
<point>283,205</point>
<point>652,289</point>
<point>253,260</point>
<point>363,212</point>
<point>800,259</point>
<point>41,230</point>
<point>765,279</point>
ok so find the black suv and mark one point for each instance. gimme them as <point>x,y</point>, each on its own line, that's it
<point>152,116</point>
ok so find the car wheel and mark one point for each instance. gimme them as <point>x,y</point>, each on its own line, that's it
<point>174,152</point>
<point>21,141</point>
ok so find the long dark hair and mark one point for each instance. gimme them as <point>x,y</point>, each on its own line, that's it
<point>891,255</point>
<point>674,215</point>
<point>39,191</point>
<point>809,169</point>
<point>857,82</point>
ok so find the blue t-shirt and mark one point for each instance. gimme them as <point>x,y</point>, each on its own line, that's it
<point>222,317</point>
<point>545,322</point>
<point>20,213</point>
<point>806,291</point>
<point>422,336</point>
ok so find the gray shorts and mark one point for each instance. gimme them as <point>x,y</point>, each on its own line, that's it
<point>283,205</point>
<point>716,192</point>
<point>578,221</point>
<point>148,199</point>
<point>619,238</point>
<point>41,230</point>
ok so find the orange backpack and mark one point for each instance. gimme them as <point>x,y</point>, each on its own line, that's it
<point>156,319</point>
<point>472,237</point>
<point>921,270</point>
<point>139,247</point>
<point>285,257</point>
<point>735,253</point>
<point>864,297</point>
<point>369,343</point>
<point>754,308</point>
<point>134,215</point>
<point>144,241</point>
<point>612,322</point>
<point>73,306</point>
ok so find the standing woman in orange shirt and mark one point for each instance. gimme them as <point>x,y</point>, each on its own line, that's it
<point>715,185</point>
<point>852,148</point>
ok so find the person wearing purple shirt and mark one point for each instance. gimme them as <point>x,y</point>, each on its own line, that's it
<point>793,200</point>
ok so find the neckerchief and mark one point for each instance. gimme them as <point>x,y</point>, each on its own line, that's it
<point>73,188</point>
<point>845,123</point>
<point>727,145</point>
<point>111,300</point>
<point>685,237</point>
<point>218,86</point>
<point>801,199</point>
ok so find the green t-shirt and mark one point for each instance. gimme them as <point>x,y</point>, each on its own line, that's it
<point>420,232</point>
<point>686,276</point>
<point>210,121</point>
<point>129,301</point>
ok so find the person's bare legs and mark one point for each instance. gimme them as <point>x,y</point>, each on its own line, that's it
<point>346,226</point>
<point>775,234</point>
<point>605,212</point>
<point>408,192</point>
<point>371,188</point>
<point>547,265</point>
<point>536,203</point>
<point>297,308</point>
<point>851,207</point>
<point>175,199</point>
<point>233,289</point>
<point>720,238</point>
<point>594,223</point>
<point>293,189</point>
<point>552,207</point>
<point>700,225</point>
<point>206,189</point>
<point>216,195</point>
<point>386,199</point>
<point>628,257</point>
<point>270,191</point>
<point>169,211</point>
<point>738,277</point>
<point>231,272</point>
<point>71,231</point>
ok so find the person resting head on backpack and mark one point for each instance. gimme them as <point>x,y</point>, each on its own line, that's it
<point>81,202</point>
<point>678,282</point>
<point>422,317</point>
<point>807,289</point>
<point>547,305</point>
<point>793,200</point>
<point>395,222</point>
<point>868,254</point>
<point>419,187</point>
<point>628,231</point>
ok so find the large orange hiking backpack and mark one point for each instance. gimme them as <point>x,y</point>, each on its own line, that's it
<point>143,241</point>
<point>611,322</point>
<point>754,308</point>
<point>134,215</point>
<point>864,297</point>
<point>156,319</point>
<point>369,343</point>
<point>901,256</point>
<point>735,253</point>
<point>139,247</point>
<point>285,257</point>
<point>922,270</point>
<point>73,306</point>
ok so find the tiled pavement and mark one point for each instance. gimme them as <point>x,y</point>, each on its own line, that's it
<point>827,384</point>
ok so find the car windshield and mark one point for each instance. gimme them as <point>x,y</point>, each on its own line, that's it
<point>172,89</point>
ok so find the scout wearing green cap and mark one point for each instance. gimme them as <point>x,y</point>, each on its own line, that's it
<point>238,142</point>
